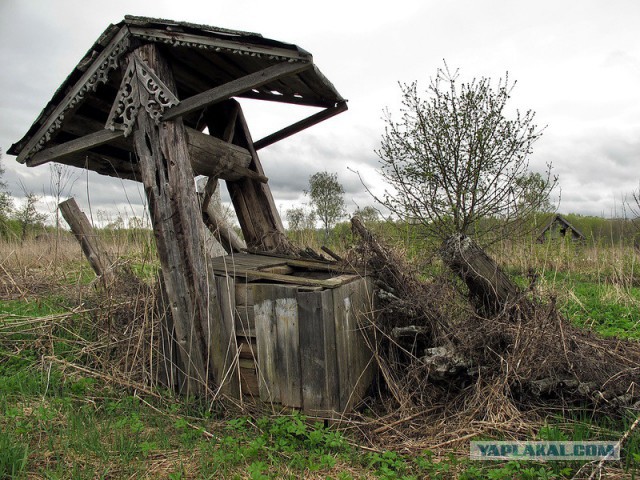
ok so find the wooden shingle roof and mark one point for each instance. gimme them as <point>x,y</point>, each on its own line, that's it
<point>202,58</point>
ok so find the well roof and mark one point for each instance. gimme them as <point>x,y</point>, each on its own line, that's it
<point>202,57</point>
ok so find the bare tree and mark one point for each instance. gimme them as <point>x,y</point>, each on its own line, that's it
<point>455,158</point>
<point>6,203</point>
<point>61,182</point>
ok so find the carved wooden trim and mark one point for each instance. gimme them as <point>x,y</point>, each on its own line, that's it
<point>179,39</point>
<point>140,87</point>
<point>96,74</point>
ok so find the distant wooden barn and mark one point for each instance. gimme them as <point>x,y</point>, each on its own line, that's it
<point>257,318</point>
<point>559,227</point>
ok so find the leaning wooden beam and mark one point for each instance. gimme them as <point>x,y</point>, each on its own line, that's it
<point>83,231</point>
<point>301,125</point>
<point>214,219</point>
<point>79,145</point>
<point>235,87</point>
<point>253,202</point>
<point>168,180</point>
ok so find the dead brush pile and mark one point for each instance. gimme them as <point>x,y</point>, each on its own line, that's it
<point>458,362</point>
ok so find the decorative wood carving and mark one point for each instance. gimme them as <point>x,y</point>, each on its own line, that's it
<point>98,73</point>
<point>180,39</point>
<point>140,87</point>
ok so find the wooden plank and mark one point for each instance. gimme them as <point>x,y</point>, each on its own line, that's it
<point>320,386</point>
<point>342,318</point>
<point>245,319</point>
<point>235,87</point>
<point>301,125</point>
<point>353,355</point>
<point>249,382</point>
<point>91,247</point>
<point>288,346</point>
<point>244,294</point>
<point>226,373</point>
<point>72,147</point>
<point>247,349</point>
<point>266,338</point>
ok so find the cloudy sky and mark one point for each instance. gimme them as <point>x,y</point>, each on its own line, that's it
<point>577,63</point>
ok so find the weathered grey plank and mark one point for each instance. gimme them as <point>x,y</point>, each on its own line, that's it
<point>288,357</point>
<point>244,294</point>
<point>235,87</point>
<point>320,386</point>
<point>72,147</point>
<point>226,369</point>
<point>245,318</point>
<point>301,125</point>
<point>266,338</point>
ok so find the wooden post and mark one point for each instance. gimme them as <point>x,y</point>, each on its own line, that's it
<point>259,219</point>
<point>168,180</point>
<point>83,231</point>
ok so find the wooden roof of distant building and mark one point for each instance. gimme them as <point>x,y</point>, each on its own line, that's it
<point>558,219</point>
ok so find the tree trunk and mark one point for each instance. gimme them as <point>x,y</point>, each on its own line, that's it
<point>490,288</point>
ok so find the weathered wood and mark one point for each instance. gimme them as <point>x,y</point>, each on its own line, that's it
<point>235,87</point>
<point>318,361</point>
<point>301,125</point>
<point>93,75</point>
<point>245,319</point>
<point>168,180</point>
<point>241,48</point>
<point>288,347</point>
<point>267,337</point>
<point>354,356</point>
<point>258,217</point>
<point>72,147</point>
<point>226,368</point>
<point>489,287</point>
<point>83,231</point>
<point>244,293</point>
<point>213,157</point>
<point>214,219</point>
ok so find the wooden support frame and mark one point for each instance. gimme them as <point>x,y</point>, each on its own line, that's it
<point>72,147</point>
<point>301,125</point>
<point>253,202</point>
<point>190,284</point>
<point>235,87</point>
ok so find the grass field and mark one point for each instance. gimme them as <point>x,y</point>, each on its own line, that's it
<point>68,411</point>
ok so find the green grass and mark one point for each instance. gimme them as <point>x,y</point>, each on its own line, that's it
<point>57,423</point>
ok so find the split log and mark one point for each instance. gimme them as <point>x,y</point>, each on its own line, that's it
<point>490,288</point>
<point>93,250</point>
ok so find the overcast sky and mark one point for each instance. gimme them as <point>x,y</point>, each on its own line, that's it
<point>577,64</point>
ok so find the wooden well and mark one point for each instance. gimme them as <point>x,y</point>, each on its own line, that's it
<point>301,331</point>
<point>155,101</point>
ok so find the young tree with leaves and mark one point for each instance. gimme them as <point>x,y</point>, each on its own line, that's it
<point>327,198</point>
<point>456,157</point>
<point>28,216</point>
